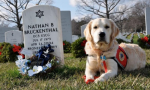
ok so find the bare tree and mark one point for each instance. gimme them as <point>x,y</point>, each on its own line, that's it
<point>4,24</point>
<point>120,18</point>
<point>136,18</point>
<point>10,10</point>
<point>76,24</point>
<point>97,7</point>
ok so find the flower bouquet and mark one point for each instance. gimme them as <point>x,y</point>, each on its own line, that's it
<point>42,62</point>
<point>144,42</point>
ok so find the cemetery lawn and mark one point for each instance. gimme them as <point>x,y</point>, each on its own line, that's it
<point>129,36</point>
<point>70,78</point>
<point>135,38</point>
<point>141,35</point>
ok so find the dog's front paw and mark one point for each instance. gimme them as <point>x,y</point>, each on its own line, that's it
<point>99,80</point>
<point>89,78</point>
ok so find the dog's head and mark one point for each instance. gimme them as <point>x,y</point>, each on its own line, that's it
<point>101,32</point>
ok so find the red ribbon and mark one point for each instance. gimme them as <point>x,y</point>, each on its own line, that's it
<point>90,80</point>
<point>95,77</point>
<point>105,66</point>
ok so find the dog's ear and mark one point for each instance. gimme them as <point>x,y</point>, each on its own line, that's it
<point>115,29</point>
<point>87,32</point>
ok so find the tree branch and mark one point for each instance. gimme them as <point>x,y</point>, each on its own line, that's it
<point>114,6</point>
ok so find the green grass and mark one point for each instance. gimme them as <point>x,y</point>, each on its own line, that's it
<point>135,38</point>
<point>70,78</point>
<point>141,35</point>
<point>128,37</point>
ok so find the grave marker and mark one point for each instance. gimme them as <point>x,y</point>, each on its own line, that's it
<point>74,37</point>
<point>42,26</point>
<point>82,30</point>
<point>147,19</point>
<point>3,30</point>
<point>14,37</point>
<point>66,25</point>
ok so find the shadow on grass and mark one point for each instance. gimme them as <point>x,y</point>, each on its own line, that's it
<point>142,72</point>
<point>62,73</point>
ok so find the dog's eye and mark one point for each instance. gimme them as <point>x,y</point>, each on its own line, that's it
<point>106,27</point>
<point>95,27</point>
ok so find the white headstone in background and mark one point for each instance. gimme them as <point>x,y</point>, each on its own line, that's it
<point>147,19</point>
<point>74,37</point>
<point>66,25</point>
<point>14,37</point>
<point>3,30</point>
<point>82,30</point>
<point>42,26</point>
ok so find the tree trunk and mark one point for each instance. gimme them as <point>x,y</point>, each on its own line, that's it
<point>19,27</point>
<point>107,12</point>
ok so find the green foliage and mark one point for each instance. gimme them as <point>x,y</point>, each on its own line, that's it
<point>7,53</point>
<point>141,43</point>
<point>144,44</point>
<point>128,36</point>
<point>21,45</point>
<point>67,46</point>
<point>121,41</point>
<point>77,48</point>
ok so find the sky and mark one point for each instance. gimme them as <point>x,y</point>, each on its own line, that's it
<point>70,5</point>
<point>67,5</point>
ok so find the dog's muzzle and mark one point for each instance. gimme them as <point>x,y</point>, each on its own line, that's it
<point>102,37</point>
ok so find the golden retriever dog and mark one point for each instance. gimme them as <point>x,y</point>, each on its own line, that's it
<point>100,35</point>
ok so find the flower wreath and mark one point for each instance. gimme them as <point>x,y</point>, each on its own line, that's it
<point>43,61</point>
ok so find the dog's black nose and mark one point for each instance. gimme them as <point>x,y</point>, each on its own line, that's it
<point>102,34</point>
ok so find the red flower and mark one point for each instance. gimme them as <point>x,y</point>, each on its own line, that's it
<point>0,53</point>
<point>1,47</point>
<point>83,43</point>
<point>63,43</point>
<point>16,48</point>
<point>146,39</point>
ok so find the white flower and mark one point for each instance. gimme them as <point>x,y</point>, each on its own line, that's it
<point>48,65</point>
<point>19,57</point>
<point>23,70</point>
<point>36,69</point>
<point>21,62</point>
